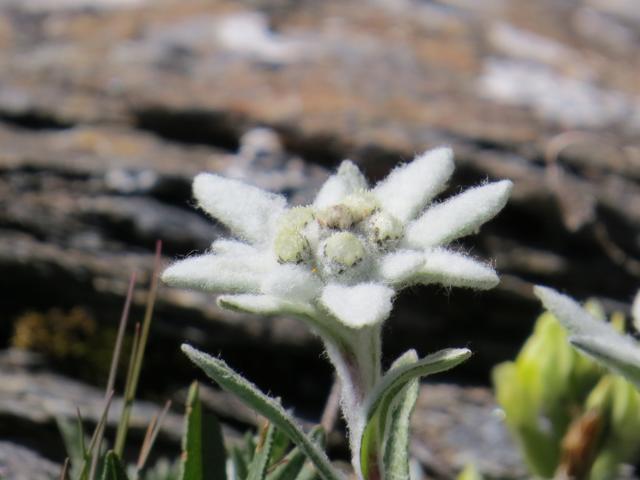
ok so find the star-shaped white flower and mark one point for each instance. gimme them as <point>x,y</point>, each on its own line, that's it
<point>340,260</point>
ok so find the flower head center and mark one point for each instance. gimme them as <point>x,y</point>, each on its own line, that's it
<point>336,239</point>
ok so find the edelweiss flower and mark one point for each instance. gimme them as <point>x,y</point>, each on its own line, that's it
<point>339,261</point>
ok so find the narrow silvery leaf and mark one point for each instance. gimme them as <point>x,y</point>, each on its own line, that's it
<point>348,179</point>
<point>248,211</point>
<point>617,352</point>
<point>293,282</point>
<point>394,380</point>
<point>218,273</point>
<point>571,315</point>
<point>408,188</point>
<point>596,338</point>
<point>231,381</point>
<point>398,432</point>
<point>458,216</point>
<point>258,467</point>
<point>377,405</point>
<point>454,269</point>
<point>401,266</point>
<point>385,432</point>
<point>360,305</point>
<point>635,312</point>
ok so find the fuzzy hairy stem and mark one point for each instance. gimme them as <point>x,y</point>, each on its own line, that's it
<point>358,366</point>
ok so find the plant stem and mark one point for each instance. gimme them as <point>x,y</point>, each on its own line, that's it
<point>132,380</point>
<point>121,329</point>
<point>330,413</point>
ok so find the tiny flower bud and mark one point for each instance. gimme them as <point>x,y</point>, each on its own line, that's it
<point>290,246</point>
<point>384,229</point>
<point>344,248</point>
<point>361,205</point>
<point>296,218</point>
<point>336,216</point>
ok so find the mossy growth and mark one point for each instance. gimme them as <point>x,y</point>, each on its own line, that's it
<point>69,339</point>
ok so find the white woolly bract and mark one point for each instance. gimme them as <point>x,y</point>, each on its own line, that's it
<point>408,188</point>
<point>265,305</point>
<point>292,282</point>
<point>348,179</point>
<point>248,211</point>
<point>225,246</point>
<point>458,216</point>
<point>454,269</point>
<point>400,266</point>
<point>218,273</point>
<point>360,305</point>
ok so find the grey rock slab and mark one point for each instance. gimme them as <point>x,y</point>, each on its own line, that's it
<point>20,463</point>
<point>455,426</point>
<point>40,397</point>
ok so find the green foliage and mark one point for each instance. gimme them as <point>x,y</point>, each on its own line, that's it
<point>113,469</point>
<point>265,456</point>
<point>203,454</point>
<point>567,414</point>
<point>262,455</point>
<point>619,402</point>
<point>390,405</point>
<point>231,381</point>
<point>396,440</point>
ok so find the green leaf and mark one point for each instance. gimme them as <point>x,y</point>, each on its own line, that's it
<point>262,456</point>
<point>397,433</point>
<point>240,463</point>
<point>618,403</point>
<point>396,379</point>
<point>73,437</point>
<point>281,444</point>
<point>203,455</point>
<point>405,370</point>
<point>75,442</point>
<point>231,381</point>
<point>113,469</point>
<point>292,465</point>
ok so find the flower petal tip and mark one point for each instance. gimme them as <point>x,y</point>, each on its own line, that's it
<point>409,187</point>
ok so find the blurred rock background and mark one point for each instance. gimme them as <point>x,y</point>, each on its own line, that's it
<point>108,108</point>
